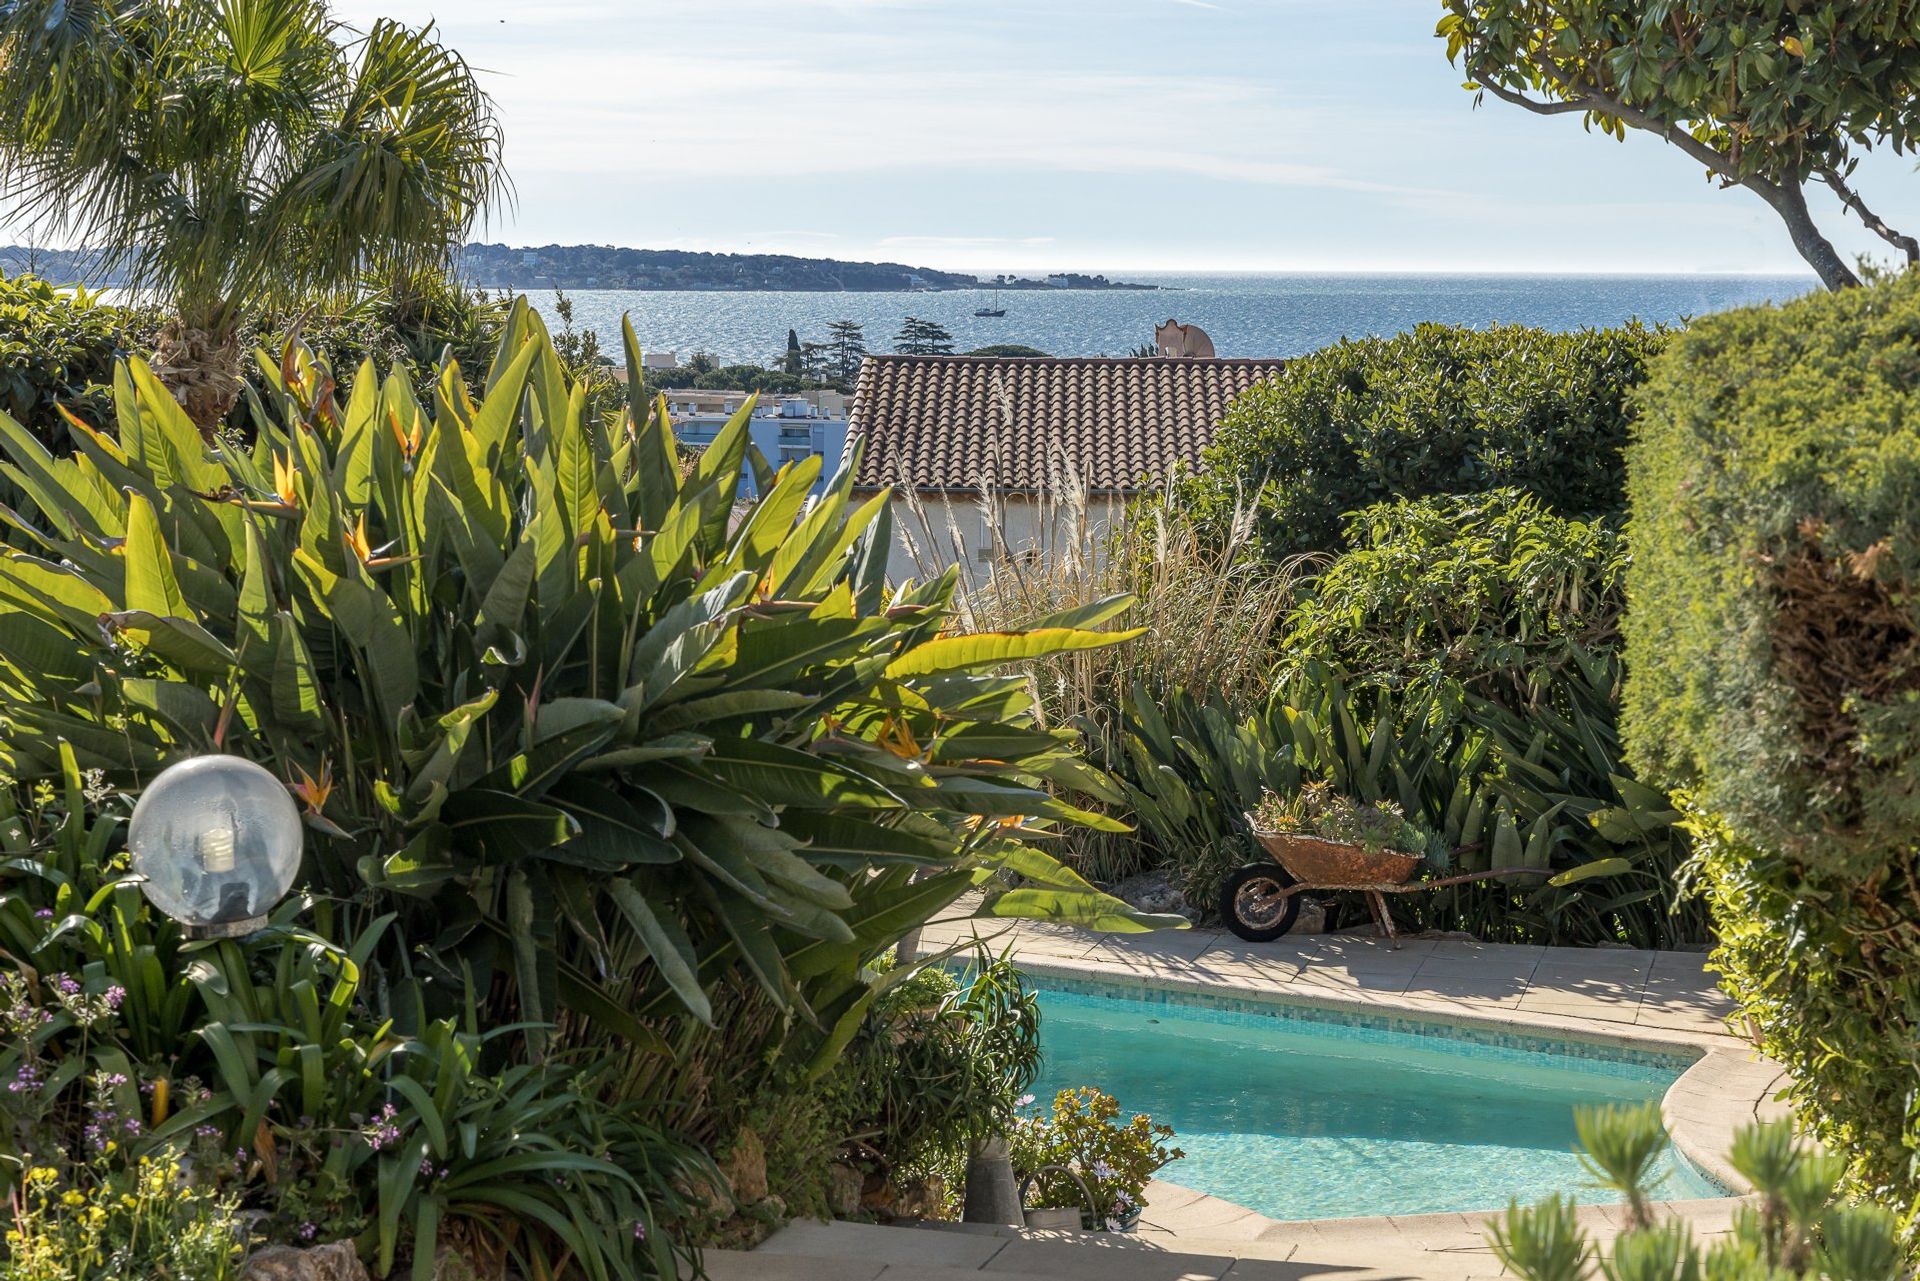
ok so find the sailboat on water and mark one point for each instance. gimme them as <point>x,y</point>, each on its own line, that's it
<point>993,310</point>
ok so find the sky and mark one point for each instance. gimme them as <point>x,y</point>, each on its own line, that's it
<point>1103,135</point>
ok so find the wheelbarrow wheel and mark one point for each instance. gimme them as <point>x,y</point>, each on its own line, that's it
<point>1253,905</point>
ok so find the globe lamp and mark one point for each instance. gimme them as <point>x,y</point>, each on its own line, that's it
<point>217,842</point>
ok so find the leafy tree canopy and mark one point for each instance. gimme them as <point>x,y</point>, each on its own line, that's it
<point>1766,94</point>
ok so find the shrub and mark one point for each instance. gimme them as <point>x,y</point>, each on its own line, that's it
<point>512,719</point>
<point>409,327</point>
<point>263,1066</point>
<point>1772,633</point>
<point>57,351</point>
<point>1488,596</point>
<point>1437,410</point>
<point>1083,1152</point>
<point>1545,789</point>
<point>1774,675</point>
<point>1208,614</point>
<point>1483,629</point>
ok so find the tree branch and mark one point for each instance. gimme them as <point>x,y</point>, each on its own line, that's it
<point>1787,199</point>
<point>1851,199</point>
<point>1531,104</point>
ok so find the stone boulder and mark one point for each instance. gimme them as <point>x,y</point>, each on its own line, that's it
<point>1152,892</point>
<point>745,1168</point>
<point>335,1261</point>
<point>845,1184</point>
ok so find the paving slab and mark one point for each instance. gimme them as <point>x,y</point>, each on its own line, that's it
<point>869,1242</point>
<point>1094,1261</point>
<point>759,1265</point>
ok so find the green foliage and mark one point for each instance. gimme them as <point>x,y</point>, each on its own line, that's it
<point>409,326</point>
<point>940,1063</point>
<point>1434,411</point>
<point>1766,94</point>
<point>1543,789</point>
<point>264,1064</point>
<point>1799,948</point>
<point>589,762</point>
<point>1770,642</point>
<point>151,1218</point>
<point>997,1022</point>
<point>584,748</point>
<point>1488,596</point>
<point>1620,1145</point>
<point>1317,810</point>
<point>750,378</point>
<point>922,338</point>
<point>1776,477</point>
<point>57,348</point>
<point>1083,1151</point>
<point>1009,349</point>
<point>1458,662</point>
<point>1795,1230</point>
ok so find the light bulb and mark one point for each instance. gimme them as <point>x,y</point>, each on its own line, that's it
<point>216,850</point>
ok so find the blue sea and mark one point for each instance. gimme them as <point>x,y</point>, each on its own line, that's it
<point>1245,314</point>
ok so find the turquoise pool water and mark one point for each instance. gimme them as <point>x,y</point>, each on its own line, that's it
<point>1305,1115</point>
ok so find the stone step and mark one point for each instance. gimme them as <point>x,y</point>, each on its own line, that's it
<point>810,1251</point>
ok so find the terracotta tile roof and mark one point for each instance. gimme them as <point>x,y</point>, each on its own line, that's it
<point>959,423</point>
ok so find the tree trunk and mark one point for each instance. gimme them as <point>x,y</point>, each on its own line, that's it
<point>1790,202</point>
<point>201,367</point>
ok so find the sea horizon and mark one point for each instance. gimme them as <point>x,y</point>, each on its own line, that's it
<point>1247,314</point>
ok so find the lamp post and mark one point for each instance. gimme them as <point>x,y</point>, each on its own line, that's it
<point>217,841</point>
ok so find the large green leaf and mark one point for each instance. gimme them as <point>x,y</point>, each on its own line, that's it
<point>1093,910</point>
<point>988,649</point>
<point>666,944</point>
<point>152,586</point>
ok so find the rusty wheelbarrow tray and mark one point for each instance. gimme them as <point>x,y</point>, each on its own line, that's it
<point>1259,901</point>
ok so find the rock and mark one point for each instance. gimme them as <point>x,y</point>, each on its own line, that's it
<point>335,1261</point>
<point>1312,918</point>
<point>451,1265</point>
<point>844,1187</point>
<point>1151,892</point>
<point>705,1197</point>
<point>922,1199</point>
<point>745,1168</point>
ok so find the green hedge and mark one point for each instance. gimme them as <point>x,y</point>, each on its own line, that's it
<point>1438,410</point>
<point>1773,650</point>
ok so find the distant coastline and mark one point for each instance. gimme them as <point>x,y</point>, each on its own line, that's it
<point>495,266</point>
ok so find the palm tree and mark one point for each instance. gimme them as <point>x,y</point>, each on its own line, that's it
<point>230,157</point>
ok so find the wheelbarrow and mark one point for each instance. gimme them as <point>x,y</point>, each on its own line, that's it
<point>1261,901</point>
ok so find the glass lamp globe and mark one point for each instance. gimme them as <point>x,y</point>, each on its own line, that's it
<point>218,840</point>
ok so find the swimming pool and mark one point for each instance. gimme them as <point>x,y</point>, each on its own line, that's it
<point>1308,1114</point>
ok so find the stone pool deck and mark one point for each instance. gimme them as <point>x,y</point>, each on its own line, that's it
<point>1662,1001</point>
